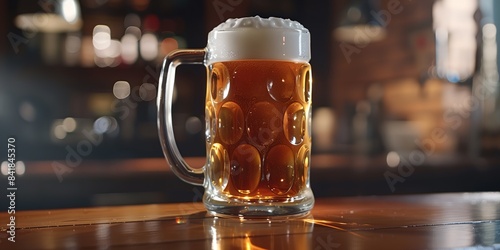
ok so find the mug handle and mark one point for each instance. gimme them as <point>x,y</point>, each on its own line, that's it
<point>164,107</point>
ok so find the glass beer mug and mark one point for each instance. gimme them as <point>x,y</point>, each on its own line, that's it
<point>258,117</point>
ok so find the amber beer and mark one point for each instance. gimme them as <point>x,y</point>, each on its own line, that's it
<point>258,117</point>
<point>258,141</point>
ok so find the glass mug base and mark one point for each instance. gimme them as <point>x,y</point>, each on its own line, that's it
<point>235,206</point>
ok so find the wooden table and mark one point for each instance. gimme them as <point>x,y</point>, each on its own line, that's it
<point>431,221</point>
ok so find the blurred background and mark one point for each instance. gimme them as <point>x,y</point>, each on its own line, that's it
<point>406,96</point>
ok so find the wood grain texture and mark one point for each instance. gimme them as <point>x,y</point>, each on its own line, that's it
<point>377,222</point>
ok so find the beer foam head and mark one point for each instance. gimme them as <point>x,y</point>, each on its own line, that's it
<point>259,38</point>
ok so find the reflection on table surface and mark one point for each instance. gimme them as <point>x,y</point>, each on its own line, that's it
<point>386,222</point>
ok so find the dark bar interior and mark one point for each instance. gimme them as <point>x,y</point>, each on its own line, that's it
<point>409,106</point>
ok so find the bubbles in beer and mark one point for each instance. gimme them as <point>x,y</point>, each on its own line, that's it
<point>219,82</point>
<point>245,168</point>
<point>219,166</point>
<point>264,123</point>
<point>306,82</point>
<point>294,123</point>
<point>210,122</point>
<point>280,166</point>
<point>280,83</point>
<point>230,122</point>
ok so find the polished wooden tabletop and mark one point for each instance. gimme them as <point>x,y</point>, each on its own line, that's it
<point>427,221</point>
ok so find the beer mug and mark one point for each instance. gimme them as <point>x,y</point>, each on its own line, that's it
<point>258,117</point>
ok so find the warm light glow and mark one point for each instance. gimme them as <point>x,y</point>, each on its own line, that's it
<point>46,22</point>
<point>249,245</point>
<point>393,159</point>
<point>72,47</point>
<point>121,89</point>
<point>20,168</point>
<point>69,124</point>
<point>359,34</point>
<point>167,45</point>
<point>151,23</point>
<point>140,5</point>
<point>5,167</point>
<point>147,92</point>
<point>216,244</point>
<point>101,103</point>
<point>149,47</point>
<point>323,127</point>
<point>59,132</point>
<point>129,48</point>
<point>456,45</point>
<point>87,52</point>
<point>134,31</point>
<point>489,30</point>
<point>72,44</point>
<point>70,10</point>
<point>132,19</point>
<point>107,50</point>
<point>111,53</point>
<point>115,49</point>
<point>27,111</point>
<point>102,62</point>
<point>180,220</point>
<point>193,125</point>
<point>101,38</point>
